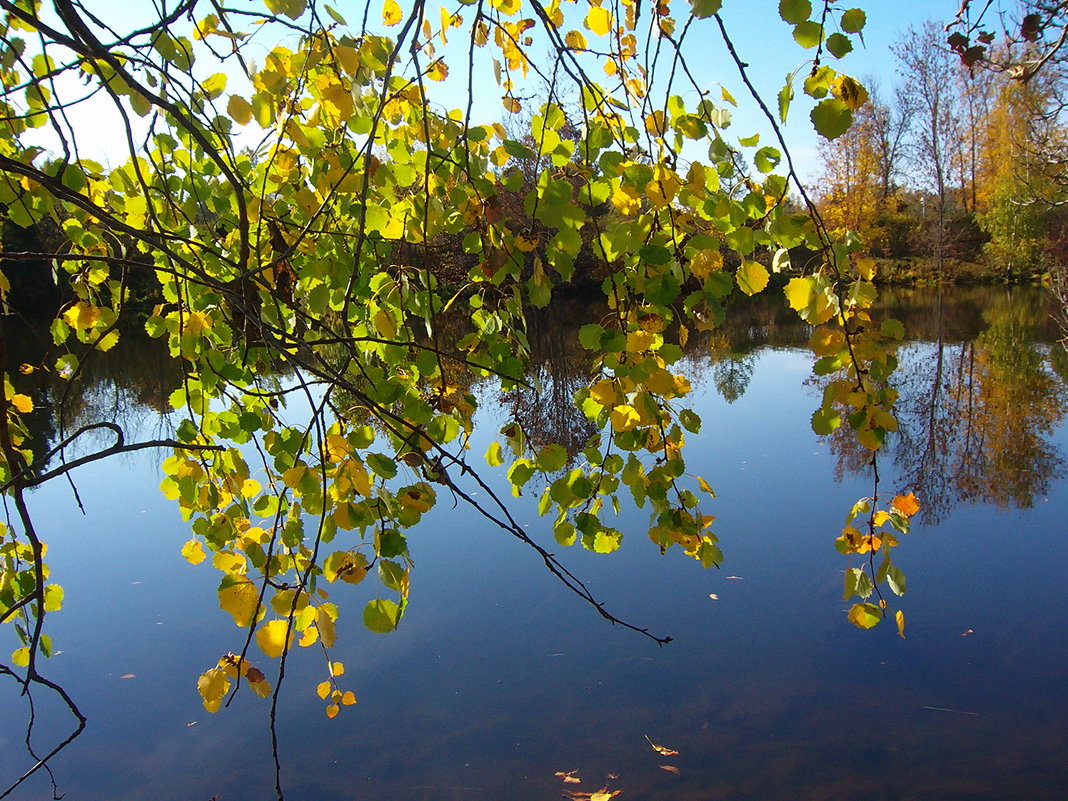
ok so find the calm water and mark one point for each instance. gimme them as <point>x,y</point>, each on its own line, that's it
<point>498,678</point>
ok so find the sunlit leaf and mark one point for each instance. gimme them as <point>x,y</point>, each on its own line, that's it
<point>274,637</point>
<point>908,505</point>
<point>865,615</point>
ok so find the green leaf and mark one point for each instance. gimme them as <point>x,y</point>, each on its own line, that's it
<point>767,159</point>
<point>690,420</point>
<point>53,598</point>
<point>896,579</point>
<point>808,34</point>
<point>702,9</point>
<point>824,421</point>
<point>786,95</point>
<point>389,543</point>
<point>517,149</point>
<point>838,45</point>
<point>552,458</point>
<point>831,118</point>
<point>494,456</point>
<point>381,465</point>
<point>892,328</point>
<point>795,11</point>
<point>853,20</point>
<point>336,17</point>
<point>381,616</point>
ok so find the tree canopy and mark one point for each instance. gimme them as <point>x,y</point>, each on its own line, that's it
<point>299,209</point>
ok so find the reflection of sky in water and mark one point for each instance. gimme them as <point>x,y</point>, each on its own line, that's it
<point>498,677</point>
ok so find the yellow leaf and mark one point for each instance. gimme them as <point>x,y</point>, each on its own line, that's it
<point>310,637</point>
<point>908,505</point>
<point>196,323</point>
<point>705,262</point>
<point>575,40</point>
<point>604,392</point>
<point>800,292</point>
<point>655,123</point>
<point>327,629</point>
<point>240,597</point>
<point>391,12</point>
<point>437,71</point>
<point>23,403</point>
<point>866,268</point>
<point>239,109</point>
<point>213,685</point>
<point>624,418</point>
<point>337,669</point>
<point>274,638</point>
<point>193,551</point>
<point>850,91</point>
<point>258,683</point>
<point>26,369</point>
<point>323,689</point>
<point>639,341</point>
<point>899,616</point>
<point>598,20</point>
<point>291,477</point>
<point>250,487</point>
<point>348,58</point>
<point>332,710</point>
<point>626,200</point>
<point>81,316</point>
<point>349,698</point>
<point>752,277</point>
<point>865,615</point>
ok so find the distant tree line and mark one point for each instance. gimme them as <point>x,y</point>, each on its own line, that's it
<point>962,165</point>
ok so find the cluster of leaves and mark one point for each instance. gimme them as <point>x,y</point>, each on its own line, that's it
<point>290,275</point>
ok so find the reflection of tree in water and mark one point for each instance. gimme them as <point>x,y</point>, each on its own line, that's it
<point>559,367</point>
<point>975,417</point>
<point>129,385</point>
<point>732,370</point>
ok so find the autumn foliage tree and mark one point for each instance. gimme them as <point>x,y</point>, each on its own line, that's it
<point>286,206</point>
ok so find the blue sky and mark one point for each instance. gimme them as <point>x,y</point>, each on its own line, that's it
<point>762,39</point>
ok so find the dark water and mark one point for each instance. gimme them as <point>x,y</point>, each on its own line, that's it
<point>498,677</point>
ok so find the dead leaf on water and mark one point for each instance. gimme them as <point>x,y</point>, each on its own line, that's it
<point>965,634</point>
<point>568,776</point>
<point>662,750</point>
<point>669,768</point>
<point>736,578</point>
<point>713,596</point>
<point>604,794</point>
<point>128,676</point>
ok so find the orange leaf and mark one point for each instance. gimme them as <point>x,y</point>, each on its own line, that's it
<point>908,505</point>
<point>569,776</point>
<point>669,768</point>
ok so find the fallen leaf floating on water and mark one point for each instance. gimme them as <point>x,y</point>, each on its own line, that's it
<point>604,794</point>
<point>661,749</point>
<point>128,676</point>
<point>736,578</point>
<point>669,768</point>
<point>966,633</point>
<point>713,596</point>
<point>569,776</point>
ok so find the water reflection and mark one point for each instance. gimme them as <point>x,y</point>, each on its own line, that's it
<point>979,401</point>
<point>500,683</point>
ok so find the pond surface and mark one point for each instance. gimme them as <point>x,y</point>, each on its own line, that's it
<point>498,677</point>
